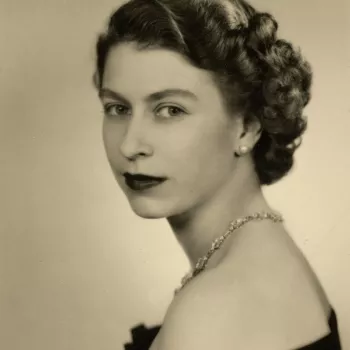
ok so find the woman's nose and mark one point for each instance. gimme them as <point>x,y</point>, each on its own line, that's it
<point>134,143</point>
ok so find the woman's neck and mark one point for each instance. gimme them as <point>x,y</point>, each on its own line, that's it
<point>196,229</point>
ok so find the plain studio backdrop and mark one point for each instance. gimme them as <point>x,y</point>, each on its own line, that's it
<point>77,267</point>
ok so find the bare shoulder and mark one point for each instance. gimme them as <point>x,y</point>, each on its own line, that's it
<point>218,309</point>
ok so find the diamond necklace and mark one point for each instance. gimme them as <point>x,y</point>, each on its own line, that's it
<point>216,244</point>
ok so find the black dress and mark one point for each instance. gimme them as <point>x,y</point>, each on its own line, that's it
<point>142,337</point>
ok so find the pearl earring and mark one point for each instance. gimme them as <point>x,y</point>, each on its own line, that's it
<point>242,150</point>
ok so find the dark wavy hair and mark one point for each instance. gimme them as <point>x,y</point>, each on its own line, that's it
<point>260,75</point>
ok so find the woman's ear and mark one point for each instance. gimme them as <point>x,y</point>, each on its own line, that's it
<point>251,133</point>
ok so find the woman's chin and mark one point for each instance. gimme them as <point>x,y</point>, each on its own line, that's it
<point>150,211</point>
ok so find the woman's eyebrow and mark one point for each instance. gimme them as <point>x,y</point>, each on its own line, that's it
<point>104,92</point>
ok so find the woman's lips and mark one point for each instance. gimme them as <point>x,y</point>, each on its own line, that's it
<point>138,182</point>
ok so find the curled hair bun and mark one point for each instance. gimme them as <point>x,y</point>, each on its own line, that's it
<point>262,29</point>
<point>285,90</point>
<point>293,71</point>
<point>278,101</point>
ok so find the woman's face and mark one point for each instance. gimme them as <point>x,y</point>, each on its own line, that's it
<point>165,118</point>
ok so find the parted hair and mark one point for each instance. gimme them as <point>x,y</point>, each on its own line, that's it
<point>261,76</point>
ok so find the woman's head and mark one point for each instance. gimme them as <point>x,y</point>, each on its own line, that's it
<point>250,87</point>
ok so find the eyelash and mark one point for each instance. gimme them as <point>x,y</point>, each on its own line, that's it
<point>107,108</point>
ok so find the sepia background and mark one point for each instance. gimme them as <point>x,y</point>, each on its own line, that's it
<point>77,267</point>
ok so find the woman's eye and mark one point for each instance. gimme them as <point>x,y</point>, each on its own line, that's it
<point>115,109</point>
<point>170,111</point>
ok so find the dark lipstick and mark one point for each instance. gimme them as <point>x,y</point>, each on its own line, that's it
<point>138,182</point>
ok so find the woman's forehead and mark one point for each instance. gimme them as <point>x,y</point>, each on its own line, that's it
<point>152,69</point>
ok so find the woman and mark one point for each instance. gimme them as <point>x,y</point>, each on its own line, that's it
<point>203,106</point>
